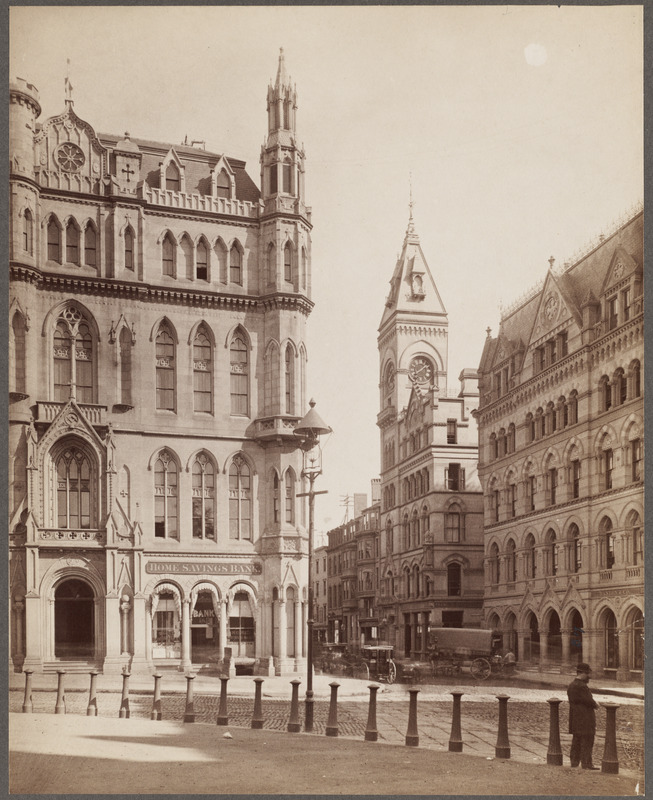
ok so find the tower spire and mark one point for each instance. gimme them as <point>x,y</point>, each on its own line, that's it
<point>68,87</point>
<point>281,71</point>
<point>411,203</point>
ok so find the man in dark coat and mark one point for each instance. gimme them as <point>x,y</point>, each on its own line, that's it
<point>582,718</point>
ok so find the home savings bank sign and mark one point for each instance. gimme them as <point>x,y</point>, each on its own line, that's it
<point>202,568</point>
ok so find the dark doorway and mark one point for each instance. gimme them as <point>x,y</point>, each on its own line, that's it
<point>576,639</point>
<point>554,639</point>
<point>74,624</point>
<point>204,630</point>
<point>452,619</point>
<point>533,653</point>
<point>407,635</point>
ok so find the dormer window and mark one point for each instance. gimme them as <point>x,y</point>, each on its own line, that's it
<point>626,301</point>
<point>611,313</point>
<point>223,185</point>
<point>173,181</point>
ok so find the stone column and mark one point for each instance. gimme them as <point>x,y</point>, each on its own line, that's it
<point>185,635</point>
<point>222,641</point>
<point>19,608</point>
<point>141,633</point>
<point>112,659</point>
<point>298,629</point>
<point>283,627</point>
<point>125,606</point>
<point>33,633</point>
<point>564,635</point>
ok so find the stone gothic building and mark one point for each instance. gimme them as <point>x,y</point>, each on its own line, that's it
<point>561,428</point>
<point>430,559</point>
<point>158,308</point>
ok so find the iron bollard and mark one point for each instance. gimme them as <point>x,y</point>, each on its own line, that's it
<point>91,708</point>
<point>371,733</point>
<point>412,737</point>
<point>223,718</point>
<point>124,702</point>
<point>554,753</point>
<point>156,700</point>
<point>610,761</point>
<point>189,713</point>
<point>60,707</point>
<point>27,700</point>
<point>502,749</point>
<point>332,722</point>
<point>456,739</point>
<point>257,719</point>
<point>294,725</point>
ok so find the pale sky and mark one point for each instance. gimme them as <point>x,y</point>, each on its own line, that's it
<point>521,127</point>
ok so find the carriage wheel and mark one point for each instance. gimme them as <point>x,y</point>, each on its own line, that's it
<point>481,669</point>
<point>392,671</point>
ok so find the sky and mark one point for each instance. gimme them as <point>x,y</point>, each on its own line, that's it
<point>519,129</point>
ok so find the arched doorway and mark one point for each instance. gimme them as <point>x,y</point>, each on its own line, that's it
<point>241,626</point>
<point>74,620</point>
<point>635,628</point>
<point>610,641</point>
<point>532,644</point>
<point>576,638</point>
<point>290,622</point>
<point>204,629</point>
<point>510,640</point>
<point>554,639</point>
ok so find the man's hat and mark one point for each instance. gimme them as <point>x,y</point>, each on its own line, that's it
<point>583,668</point>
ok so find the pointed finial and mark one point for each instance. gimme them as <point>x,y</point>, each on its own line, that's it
<point>488,331</point>
<point>281,71</point>
<point>68,86</point>
<point>551,262</point>
<point>411,203</point>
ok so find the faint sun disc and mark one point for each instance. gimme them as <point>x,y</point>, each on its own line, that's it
<point>535,54</point>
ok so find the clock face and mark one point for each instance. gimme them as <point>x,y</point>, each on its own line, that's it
<point>390,378</point>
<point>70,157</point>
<point>420,370</point>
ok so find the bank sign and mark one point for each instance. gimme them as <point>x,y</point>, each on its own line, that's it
<point>202,568</point>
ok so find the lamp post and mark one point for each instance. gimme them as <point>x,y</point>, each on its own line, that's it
<point>309,429</point>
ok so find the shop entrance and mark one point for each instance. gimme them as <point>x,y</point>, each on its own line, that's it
<point>74,620</point>
<point>204,629</point>
<point>166,628</point>
<point>241,627</point>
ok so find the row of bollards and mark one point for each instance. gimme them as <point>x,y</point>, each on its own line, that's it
<point>609,764</point>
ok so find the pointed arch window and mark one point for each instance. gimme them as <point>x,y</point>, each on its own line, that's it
<point>129,248</point>
<point>202,372</point>
<point>202,262</point>
<point>168,256</point>
<point>90,246</point>
<point>203,498</point>
<point>173,181</point>
<point>606,537</point>
<point>635,380</point>
<point>54,241</point>
<point>495,565</point>
<point>223,185</point>
<point>275,498</point>
<point>552,552</point>
<point>125,356</point>
<point>165,497</point>
<point>18,354</point>
<point>72,243</point>
<point>388,536</point>
<point>454,580</point>
<point>235,266</point>
<point>287,263</point>
<point>511,561</point>
<point>28,232</point>
<point>453,523</point>
<point>62,352</point>
<point>165,369</point>
<point>240,513</point>
<point>290,381</point>
<point>290,497</point>
<point>531,557</point>
<point>74,506</point>
<point>635,538</point>
<point>187,253</point>
<point>576,554</point>
<point>572,408</point>
<point>239,375</point>
<point>605,392</point>
<point>287,177</point>
<point>73,356</point>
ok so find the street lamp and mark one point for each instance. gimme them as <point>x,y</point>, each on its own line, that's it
<point>309,429</point>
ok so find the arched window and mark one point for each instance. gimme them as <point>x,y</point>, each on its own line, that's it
<point>389,543</point>
<point>551,422</point>
<point>28,232</point>
<point>287,263</point>
<point>574,476</point>
<point>425,522</point>
<point>540,424</point>
<point>510,442</point>
<point>72,243</point>
<point>173,182</point>
<point>62,355</point>
<point>454,580</point>
<point>129,248</point>
<point>202,372</point>
<point>290,380</point>
<point>530,428</point>
<point>90,255</point>
<point>165,369</point>
<point>73,355</point>
<point>275,498</point>
<point>235,266</point>
<point>290,497</point>
<point>202,261</point>
<point>608,466</point>
<point>203,498</point>
<point>576,551</point>
<point>501,443</point>
<point>187,251</point>
<point>240,513</point>
<point>54,241</point>
<point>606,540</point>
<point>605,393</point>
<point>168,251</point>
<point>223,185</point>
<point>239,375</point>
<point>84,363</point>
<point>74,503</point>
<point>18,354</point>
<point>511,561</point>
<point>531,557</point>
<point>495,565</point>
<point>165,497</point>
<point>125,357</point>
<point>406,526</point>
<point>512,498</point>
<point>620,387</point>
<point>572,408</point>
<point>494,446</point>
<point>635,536</point>
<point>634,380</point>
<point>414,529</point>
<point>453,524</point>
<point>552,552</point>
